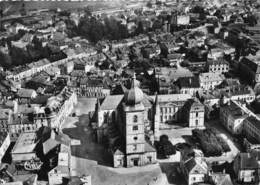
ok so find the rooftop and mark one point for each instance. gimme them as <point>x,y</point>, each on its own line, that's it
<point>3,136</point>
<point>25,143</point>
<point>211,77</point>
<point>235,110</point>
<point>254,121</point>
<point>111,102</point>
<point>188,82</point>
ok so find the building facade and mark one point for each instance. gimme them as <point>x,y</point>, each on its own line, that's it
<point>193,114</point>
<point>208,81</point>
<point>251,128</point>
<point>232,116</point>
<point>218,66</point>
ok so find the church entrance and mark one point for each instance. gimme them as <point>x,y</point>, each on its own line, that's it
<point>135,161</point>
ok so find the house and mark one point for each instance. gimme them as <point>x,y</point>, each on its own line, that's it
<point>249,69</point>
<point>93,88</point>
<point>188,85</point>
<point>5,119</point>
<point>246,168</point>
<point>233,90</point>
<point>220,179</point>
<point>193,113</point>
<point>25,147</point>
<point>16,27</point>
<point>4,143</point>
<point>195,170</point>
<point>26,94</point>
<point>251,128</point>
<point>56,149</point>
<point>219,65</point>
<point>208,81</point>
<point>59,107</point>
<point>232,116</point>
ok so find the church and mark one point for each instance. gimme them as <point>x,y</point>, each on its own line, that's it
<point>131,122</point>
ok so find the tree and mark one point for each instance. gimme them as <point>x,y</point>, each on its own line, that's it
<point>6,60</point>
<point>140,28</point>
<point>166,146</point>
<point>157,25</point>
<point>149,4</point>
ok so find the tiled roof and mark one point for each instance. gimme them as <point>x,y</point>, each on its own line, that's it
<point>221,179</point>
<point>3,136</point>
<point>25,93</point>
<point>188,82</point>
<point>111,102</point>
<point>247,161</point>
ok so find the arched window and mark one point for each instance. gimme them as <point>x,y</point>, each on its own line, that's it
<point>135,119</point>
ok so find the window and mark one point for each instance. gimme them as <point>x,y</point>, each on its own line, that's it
<point>135,127</point>
<point>135,138</point>
<point>197,114</point>
<point>196,122</point>
<point>135,119</point>
<point>134,147</point>
<point>120,162</point>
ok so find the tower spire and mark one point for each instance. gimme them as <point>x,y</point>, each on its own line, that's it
<point>98,105</point>
<point>156,118</point>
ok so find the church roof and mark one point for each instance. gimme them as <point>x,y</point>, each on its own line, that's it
<point>111,102</point>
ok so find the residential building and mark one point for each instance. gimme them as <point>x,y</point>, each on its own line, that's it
<point>25,147</point>
<point>59,107</point>
<point>220,179</point>
<point>249,69</point>
<point>251,128</point>
<point>188,85</point>
<point>193,114</point>
<point>61,143</point>
<point>93,88</point>
<point>232,116</point>
<point>25,95</point>
<point>22,72</point>
<point>219,65</point>
<point>193,167</point>
<point>208,81</point>
<point>231,89</point>
<point>246,168</point>
<point>5,119</point>
<point>4,143</point>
